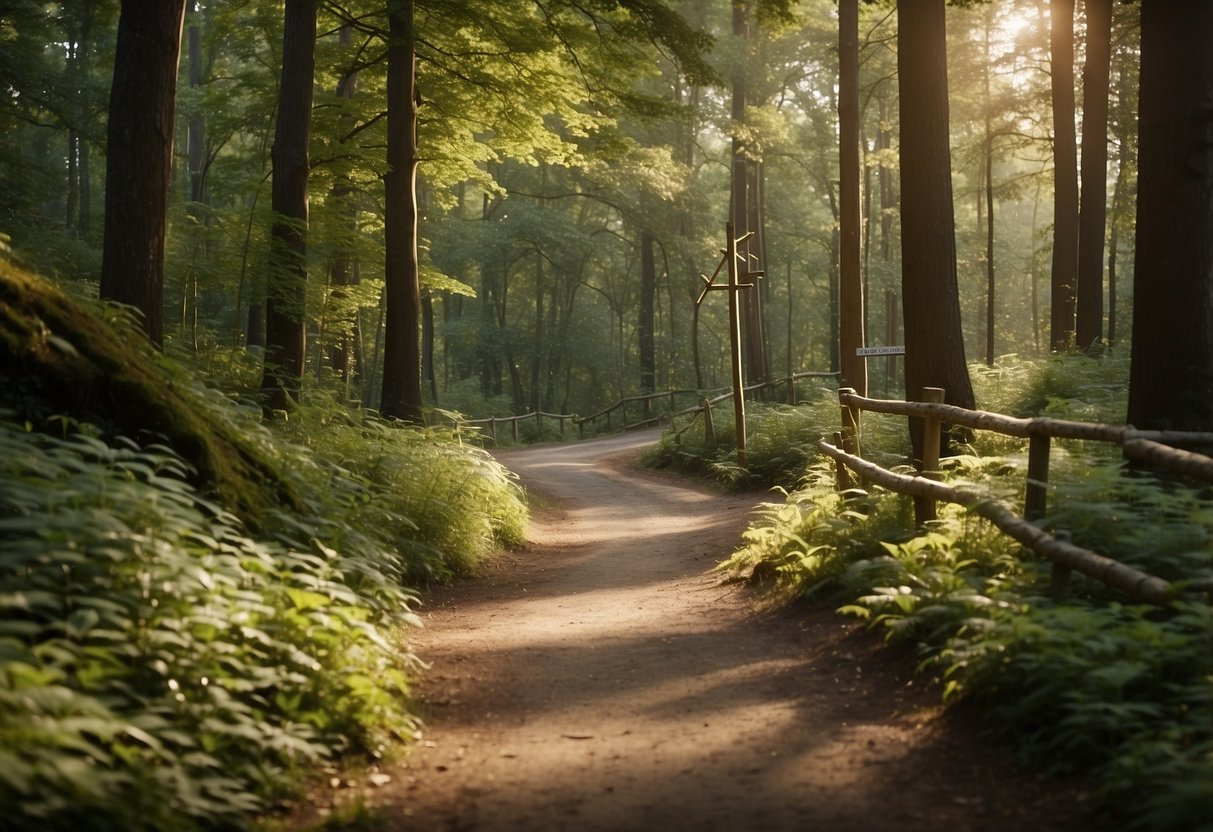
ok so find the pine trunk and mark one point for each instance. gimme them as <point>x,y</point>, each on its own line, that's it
<point>139,167</point>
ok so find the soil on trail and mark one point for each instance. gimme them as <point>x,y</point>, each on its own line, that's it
<point>601,679</point>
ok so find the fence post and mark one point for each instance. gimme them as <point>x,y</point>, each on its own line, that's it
<point>539,424</point>
<point>1036,494</point>
<point>581,429</point>
<point>709,427</point>
<point>623,409</point>
<point>514,426</point>
<point>791,389</point>
<point>850,422</point>
<point>924,508</point>
<point>562,426</point>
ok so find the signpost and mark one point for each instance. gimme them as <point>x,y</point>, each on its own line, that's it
<point>734,286</point>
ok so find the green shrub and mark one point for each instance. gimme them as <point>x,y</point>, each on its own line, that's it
<point>444,504</point>
<point>159,667</point>
<point>1122,692</point>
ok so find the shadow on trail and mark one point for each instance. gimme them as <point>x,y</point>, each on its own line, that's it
<point>600,680</point>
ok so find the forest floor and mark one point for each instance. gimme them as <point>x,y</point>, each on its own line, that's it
<point>602,679</point>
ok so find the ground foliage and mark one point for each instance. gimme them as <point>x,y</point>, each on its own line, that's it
<point>166,664</point>
<point>1087,684</point>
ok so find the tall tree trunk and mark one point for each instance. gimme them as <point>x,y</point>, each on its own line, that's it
<point>196,127</point>
<point>834,290</point>
<point>645,325</point>
<point>884,140</point>
<point>1171,375</point>
<point>988,150</point>
<point>1065,174</point>
<point>743,208</point>
<point>427,345</point>
<point>85,169</point>
<point>71,209</point>
<point>401,353</point>
<point>83,220</point>
<point>344,270</point>
<point>139,167</point>
<point>1118,209</point>
<point>851,321</point>
<point>935,354</point>
<point>286,280</point>
<point>538,345</point>
<point>1088,328</point>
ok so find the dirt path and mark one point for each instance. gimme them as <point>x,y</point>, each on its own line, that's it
<point>600,680</point>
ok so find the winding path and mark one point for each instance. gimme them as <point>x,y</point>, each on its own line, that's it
<point>601,679</point>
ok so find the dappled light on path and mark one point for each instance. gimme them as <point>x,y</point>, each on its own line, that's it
<point>604,679</point>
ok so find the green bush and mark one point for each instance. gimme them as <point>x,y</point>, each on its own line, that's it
<point>445,504</point>
<point>1091,685</point>
<point>160,668</point>
<point>1119,691</point>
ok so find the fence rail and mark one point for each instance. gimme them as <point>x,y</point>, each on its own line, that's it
<point>643,409</point>
<point>1153,447</point>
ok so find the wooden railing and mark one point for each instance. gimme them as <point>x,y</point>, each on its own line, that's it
<point>645,409</point>
<point>705,406</point>
<point>491,424</point>
<point>1152,447</point>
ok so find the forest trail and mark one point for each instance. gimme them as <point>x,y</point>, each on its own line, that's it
<point>600,679</point>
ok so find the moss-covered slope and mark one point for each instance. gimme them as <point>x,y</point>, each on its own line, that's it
<point>59,358</point>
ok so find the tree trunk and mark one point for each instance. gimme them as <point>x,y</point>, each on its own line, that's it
<point>427,345</point>
<point>401,353</point>
<point>344,271</point>
<point>1088,328</point>
<point>851,319</point>
<point>538,345</point>
<point>988,149</point>
<point>934,343</point>
<point>140,142</point>
<point>286,281</point>
<point>196,127</point>
<point>743,208</point>
<point>645,326</point>
<point>884,140</point>
<point>1171,375</point>
<point>1065,174</point>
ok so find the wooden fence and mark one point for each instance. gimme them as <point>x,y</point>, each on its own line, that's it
<point>636,411</point>
<point>1154,448</point>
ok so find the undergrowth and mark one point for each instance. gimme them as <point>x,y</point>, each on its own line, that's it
<point>166,664</point>
<point>781,441</point>
<point>1118,691</point>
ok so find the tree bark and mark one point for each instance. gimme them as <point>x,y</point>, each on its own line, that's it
<point>401,352</point>
<point>344,270</point>
<point>1065,174</point>
<point>1171,374</point>
<point>1088,327</point>
<point>139,167</point>
<point>645,324</point>
<point>935,354</point>
<point>988,152</point>
<point>851,320</point>
<point>743,209</point>
<point>196,128</point>
<point>286,283</point>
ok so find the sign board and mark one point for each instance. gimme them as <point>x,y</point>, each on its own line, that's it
<point>866,351</point>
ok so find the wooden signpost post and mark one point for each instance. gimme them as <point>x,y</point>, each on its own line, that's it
<point>734,285</point>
